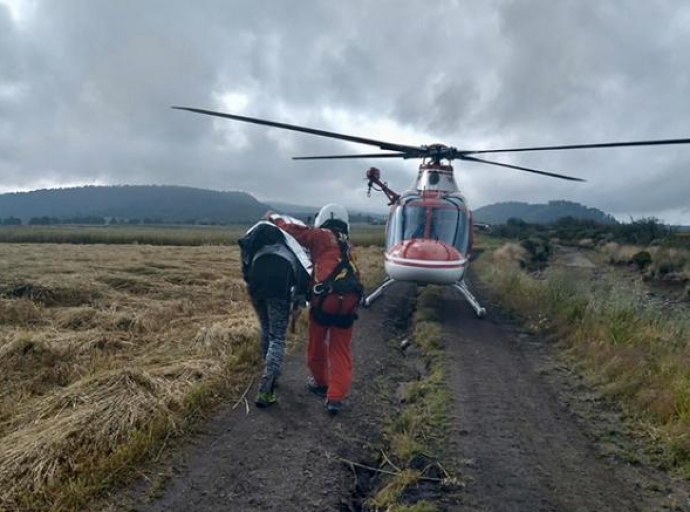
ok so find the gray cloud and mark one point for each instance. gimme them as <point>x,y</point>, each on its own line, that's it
<point>86,86</point>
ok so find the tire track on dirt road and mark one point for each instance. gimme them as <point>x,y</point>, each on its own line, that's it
<point>525,446</point>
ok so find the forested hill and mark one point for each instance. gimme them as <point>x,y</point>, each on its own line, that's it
<point>130,203</point>
<point>499,213</point>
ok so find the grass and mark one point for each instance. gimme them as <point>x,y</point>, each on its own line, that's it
<point>362,235</point>
<point>415,436</point>
<point>634,349</point>
<point>150,235</point>
<point>95,374</point>
<point>109,351</point>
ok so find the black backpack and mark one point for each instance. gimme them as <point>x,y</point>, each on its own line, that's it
<point>268,234</point>
<point>343,278</point>
<point>261,236</point>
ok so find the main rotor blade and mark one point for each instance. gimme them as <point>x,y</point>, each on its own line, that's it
<point>586,146</point>
<point>304,129</point>
<point>544,173</point>
<point>371,155</point>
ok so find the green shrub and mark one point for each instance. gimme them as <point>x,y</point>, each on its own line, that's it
<point>644,231</point>
<point>540,251</point>
<point>665,266</point>
<point>642,259</point>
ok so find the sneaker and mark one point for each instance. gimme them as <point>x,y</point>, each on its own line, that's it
<point>264,399</point>
<point>333,406</point>
<point>318,389</point>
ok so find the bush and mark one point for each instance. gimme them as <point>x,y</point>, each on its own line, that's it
<point>539,252</point>
<point>644,231</point>
<point>669,264</point>
<point>642,259</point>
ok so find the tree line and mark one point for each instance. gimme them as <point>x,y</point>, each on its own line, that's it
<point>94,220</point>
<point>644,231</point>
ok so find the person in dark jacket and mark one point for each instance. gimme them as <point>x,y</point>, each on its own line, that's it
<point>276,277</point>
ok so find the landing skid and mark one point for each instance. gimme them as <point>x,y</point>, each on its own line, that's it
<point>478,309</point>
<point>377,293</point>
<point>461,286</point>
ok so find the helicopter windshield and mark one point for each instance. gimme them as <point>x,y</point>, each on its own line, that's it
<point>450,226</point>
<point>443,222</point>
<point>414,222</point>
<point>406,222</point>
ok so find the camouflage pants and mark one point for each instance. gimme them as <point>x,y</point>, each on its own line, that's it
<point>274,314</point>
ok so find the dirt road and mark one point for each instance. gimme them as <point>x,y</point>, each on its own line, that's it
<point>532,436</point>
<point>288,457</point>
<point>527,434</point>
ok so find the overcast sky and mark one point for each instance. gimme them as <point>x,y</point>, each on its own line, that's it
<point>86,88</point>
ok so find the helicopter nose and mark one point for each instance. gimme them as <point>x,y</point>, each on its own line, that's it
<point>425,261</point>
<point>427,250</point>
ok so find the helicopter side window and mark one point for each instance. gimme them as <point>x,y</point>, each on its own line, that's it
<point>394,228</point>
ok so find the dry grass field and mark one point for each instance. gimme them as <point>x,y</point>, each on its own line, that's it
<point>108,350</point>
<point>362,234</point>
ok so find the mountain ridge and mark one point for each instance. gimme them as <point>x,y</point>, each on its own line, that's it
<point>539,213</point>
<point>150,204</point>
<point>190,205</point>
<point>164,203</point>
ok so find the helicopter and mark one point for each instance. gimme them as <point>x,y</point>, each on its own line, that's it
<point>429,231</point>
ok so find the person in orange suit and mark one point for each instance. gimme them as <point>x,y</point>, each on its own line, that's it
<point>336,293</point>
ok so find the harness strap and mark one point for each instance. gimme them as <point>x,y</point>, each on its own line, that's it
<point>326,285</point>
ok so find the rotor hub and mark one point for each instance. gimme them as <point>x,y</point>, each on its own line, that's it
<point>438,152</point>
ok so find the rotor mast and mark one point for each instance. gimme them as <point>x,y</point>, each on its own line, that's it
<point>434,174</point>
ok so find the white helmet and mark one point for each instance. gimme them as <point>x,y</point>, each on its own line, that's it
<point>332,211</point>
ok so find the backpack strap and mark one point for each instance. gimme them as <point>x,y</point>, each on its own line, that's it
<point>327,285</point>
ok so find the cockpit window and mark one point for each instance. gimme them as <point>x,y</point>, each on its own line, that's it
<point>414,222</point>
<point>407,222</point>
<point>450,226</point>
<point>446,223</point>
